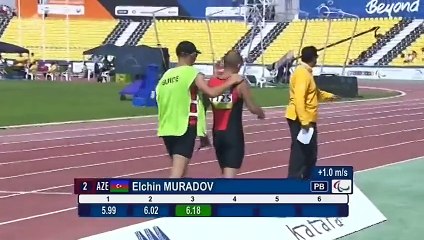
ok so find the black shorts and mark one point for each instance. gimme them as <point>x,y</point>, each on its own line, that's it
<point>181,145</point>
<point>229,148</point>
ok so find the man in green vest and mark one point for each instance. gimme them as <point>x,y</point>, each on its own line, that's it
<point>181,114</point>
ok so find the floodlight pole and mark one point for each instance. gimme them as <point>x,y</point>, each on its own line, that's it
<point>256,14</point>
<point>19,23</point>
<point>155,24</point>
<point>43,32</point>
<point>210,34</point>
<point>68,52</point>
<point>304,31</point>
<point>326,41</point>
<point>351,38</point>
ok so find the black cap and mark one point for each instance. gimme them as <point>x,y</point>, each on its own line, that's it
<point>186,47</point>
<point>309,53</point>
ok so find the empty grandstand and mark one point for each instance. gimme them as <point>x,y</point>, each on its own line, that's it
<point>65,39</point>
<point>316,34</point>
<point>50,39</point>
<point>225,34</point>
<point>411,49</point>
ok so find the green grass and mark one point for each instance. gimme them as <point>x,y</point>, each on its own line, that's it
<point>26,102</point>
<point>397,192</point>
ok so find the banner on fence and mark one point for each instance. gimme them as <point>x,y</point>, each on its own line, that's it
<point>60,9</point>
<point>110,9</point>
<point>225,11</point>
<point>146,11</point>
<point>363,8</point>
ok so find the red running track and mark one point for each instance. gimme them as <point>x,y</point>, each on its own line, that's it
<point>38,165</point>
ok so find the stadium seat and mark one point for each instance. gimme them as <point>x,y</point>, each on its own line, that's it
<point>49,38</point>
<point>316,35</point>
<point>225,35</point>
<point>415,46</point>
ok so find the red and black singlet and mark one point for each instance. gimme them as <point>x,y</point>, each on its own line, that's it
<point>227,109</point>
<point>192,120</point>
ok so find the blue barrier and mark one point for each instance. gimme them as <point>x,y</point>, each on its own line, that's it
<point>146,94</point>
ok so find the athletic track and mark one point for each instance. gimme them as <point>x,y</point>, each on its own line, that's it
<point>38,164</point>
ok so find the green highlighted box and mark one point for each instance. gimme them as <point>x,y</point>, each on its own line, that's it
<point>193,211</point>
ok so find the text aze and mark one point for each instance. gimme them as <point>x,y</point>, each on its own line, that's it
<point>102,186</point>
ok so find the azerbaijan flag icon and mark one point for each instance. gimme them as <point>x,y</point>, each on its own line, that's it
<point>119,186</point>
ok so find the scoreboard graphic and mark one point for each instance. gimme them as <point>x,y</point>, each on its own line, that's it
<point>325,195</point>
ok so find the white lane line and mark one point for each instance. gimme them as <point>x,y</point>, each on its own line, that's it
<point>244,173</point>
<point>401,94</point>
<point>246,114</point>
<point>161,155</point>
<point>391,164</point>
<point>278,117</point>
<point>39,193</point>
<point>167,168</point>
<point>339,155</point>
<point>248,133</point>
<point>142,137</point>
<point>37,216</point>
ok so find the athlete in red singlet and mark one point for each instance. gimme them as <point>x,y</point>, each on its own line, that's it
<point>217,70</point>
<point>228,136</point>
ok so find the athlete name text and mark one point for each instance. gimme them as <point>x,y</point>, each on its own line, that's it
<point>172,186</point>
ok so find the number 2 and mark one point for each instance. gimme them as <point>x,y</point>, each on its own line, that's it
<point>150,198</point>
<point>84,186</point>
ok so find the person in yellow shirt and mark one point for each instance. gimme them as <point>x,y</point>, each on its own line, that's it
<point>53,68</point>
<point>32,59</point>
<point>33,68</point>
<point>20,61</point>
<point>53,72</point>
<point>302,113</point>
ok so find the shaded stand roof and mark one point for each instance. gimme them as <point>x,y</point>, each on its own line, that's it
<point>11,48</point>
<point>106,49</point>
<point>133,59</point>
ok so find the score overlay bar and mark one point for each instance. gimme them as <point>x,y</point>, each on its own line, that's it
<point>215,199</point>
<point>212,210</point>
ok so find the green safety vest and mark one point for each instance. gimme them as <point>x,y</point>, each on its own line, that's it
<point>174,99</point>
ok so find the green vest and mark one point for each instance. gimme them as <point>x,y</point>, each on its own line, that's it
<point>174,99</point>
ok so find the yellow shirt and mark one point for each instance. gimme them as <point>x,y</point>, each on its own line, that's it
<point>53,68</point>
<point>304,96</point>
<point>33,60</point>
<point>20,61</point>
<point>33,68</point>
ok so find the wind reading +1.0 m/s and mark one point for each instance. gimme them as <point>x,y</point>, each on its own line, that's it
<point>330,172</point>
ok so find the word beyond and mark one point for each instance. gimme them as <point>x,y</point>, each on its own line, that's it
<point>172,186</point>
<point>389,7</point>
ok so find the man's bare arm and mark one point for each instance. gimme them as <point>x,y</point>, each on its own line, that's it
<point>212,91</point>
<point>246,94</point>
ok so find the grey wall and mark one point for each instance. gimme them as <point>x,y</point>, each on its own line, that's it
<point>10,3</point>
<point>286,9</point>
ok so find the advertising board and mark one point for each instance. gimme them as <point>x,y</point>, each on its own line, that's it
<point>363,8</point>
<point>145,11</point>
<point>224,12</point>
<point>60,9</point>
<point>109,9</point>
